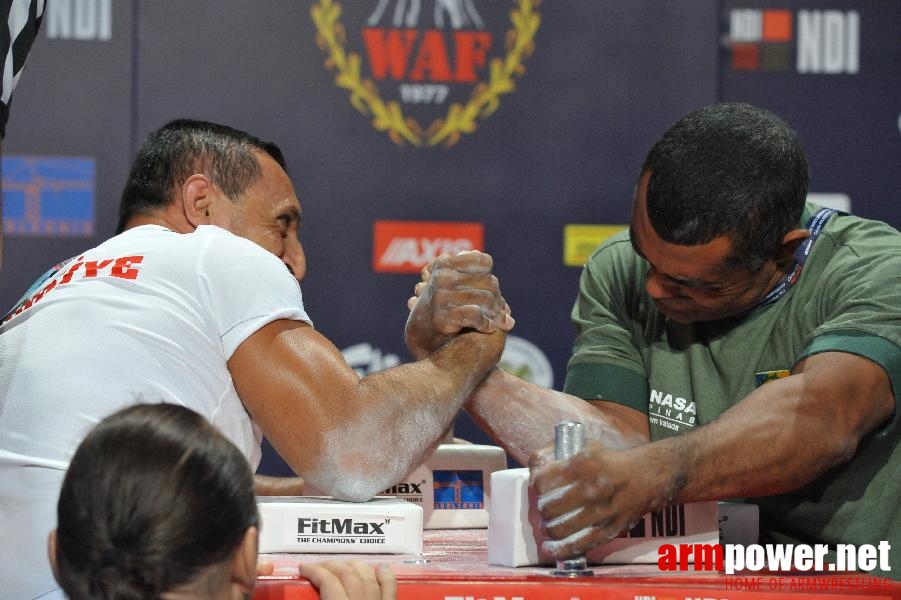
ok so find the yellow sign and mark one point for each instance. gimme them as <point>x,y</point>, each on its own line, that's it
<point>579,241</point>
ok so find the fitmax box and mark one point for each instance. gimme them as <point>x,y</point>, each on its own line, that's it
<point>453,485</point>
<point>515,537</point>
<point>309,524</point>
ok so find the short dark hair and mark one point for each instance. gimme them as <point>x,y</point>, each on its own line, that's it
<point>730,169</point>
<point>182,148</point>
<point>153,496</point>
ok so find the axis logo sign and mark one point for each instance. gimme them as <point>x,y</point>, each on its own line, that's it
<point>408,246</point>
<point>426,71</point>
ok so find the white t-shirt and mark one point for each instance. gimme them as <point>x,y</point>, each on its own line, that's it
<point>148,316</point>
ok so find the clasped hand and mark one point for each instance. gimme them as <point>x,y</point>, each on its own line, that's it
<point>589,499</point>
<point>455,293</point>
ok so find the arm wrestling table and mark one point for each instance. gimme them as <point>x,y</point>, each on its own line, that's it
<point>454,566</point>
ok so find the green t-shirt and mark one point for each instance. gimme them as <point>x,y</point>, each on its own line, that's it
<point>847,299</point>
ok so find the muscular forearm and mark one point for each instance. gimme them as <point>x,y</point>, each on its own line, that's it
<point>266,485</point>
<point>746,453</point>
<point>521,416</point>
<point>370,449</point>
<point>780,437</point>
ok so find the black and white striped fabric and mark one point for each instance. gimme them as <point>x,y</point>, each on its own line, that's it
<point>23,17</point>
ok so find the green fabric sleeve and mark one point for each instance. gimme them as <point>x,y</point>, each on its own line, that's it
<point>607,363</point>
<point>604,381</point>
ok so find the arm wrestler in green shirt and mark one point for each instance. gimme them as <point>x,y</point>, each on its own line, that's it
<point>736,342</point>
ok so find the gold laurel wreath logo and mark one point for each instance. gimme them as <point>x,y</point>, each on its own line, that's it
<point>389,117</point>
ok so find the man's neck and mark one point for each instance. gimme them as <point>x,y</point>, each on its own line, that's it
<point>168,218</point>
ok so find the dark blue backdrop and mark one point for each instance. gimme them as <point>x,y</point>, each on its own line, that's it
<point>594,87</point>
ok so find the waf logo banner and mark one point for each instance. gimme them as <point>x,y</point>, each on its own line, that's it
<point>426,72</point>
<point>407,246</point>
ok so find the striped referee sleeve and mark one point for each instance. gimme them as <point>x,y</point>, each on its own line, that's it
<point>23,18</point>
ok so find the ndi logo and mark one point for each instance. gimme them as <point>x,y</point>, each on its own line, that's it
<point>824,41</point>
<point>80,19</point>
<point>760,39</point>
<point>48,196</point>
<point>666,522</point>
<point>828,41</point>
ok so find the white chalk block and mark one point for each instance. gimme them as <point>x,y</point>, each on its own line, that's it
<point>515,537</point>
<point>309,524</point>
<point>453,486</point>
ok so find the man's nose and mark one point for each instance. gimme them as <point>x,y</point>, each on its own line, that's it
<point>295,257</point>
<point>658,287</point>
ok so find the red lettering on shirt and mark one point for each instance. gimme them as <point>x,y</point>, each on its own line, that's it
<point>71,271</point>
<point>40,294</point>
<point>124,267</point>
<point>91,267</point>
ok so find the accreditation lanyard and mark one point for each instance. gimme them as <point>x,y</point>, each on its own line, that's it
<point>815,225</point>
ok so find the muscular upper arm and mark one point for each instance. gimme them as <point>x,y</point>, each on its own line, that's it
<point>632,423</point>
<point>296,385</point>
<point>849,394</point>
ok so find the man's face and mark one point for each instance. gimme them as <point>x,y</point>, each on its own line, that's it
<point>694,283</point>
<point>268,213</point>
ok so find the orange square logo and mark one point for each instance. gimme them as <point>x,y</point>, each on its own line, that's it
<point>777,26</point>
<point>407,246</point>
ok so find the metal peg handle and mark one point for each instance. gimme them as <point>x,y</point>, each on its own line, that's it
<point>568,439</point>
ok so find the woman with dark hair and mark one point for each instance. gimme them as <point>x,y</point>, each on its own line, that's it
<point>158,504</point>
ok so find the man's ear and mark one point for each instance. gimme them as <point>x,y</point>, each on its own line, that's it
<point>790,243</point>
<point>51,554</point>
<point>197,196</point>
<point>244,560</point>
